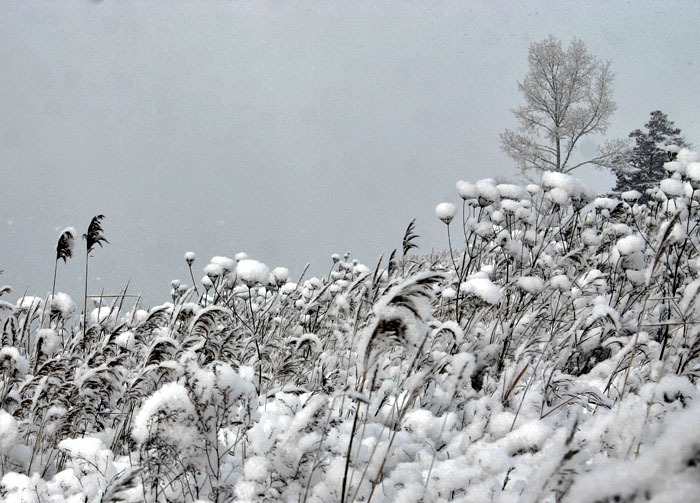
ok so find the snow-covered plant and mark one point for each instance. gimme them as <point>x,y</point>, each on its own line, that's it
<point>553,346</point>
<point>92,237</point>
<point>64,250</point>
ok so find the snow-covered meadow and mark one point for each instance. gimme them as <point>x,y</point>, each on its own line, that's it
<point>551,353</point>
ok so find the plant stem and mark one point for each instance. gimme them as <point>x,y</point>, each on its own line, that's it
<point>454,264</point>
<point>194,284</point>
<point>87,260</point>
<point>55,270</point>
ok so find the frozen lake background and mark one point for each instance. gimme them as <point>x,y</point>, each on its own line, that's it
<point>289,134</point>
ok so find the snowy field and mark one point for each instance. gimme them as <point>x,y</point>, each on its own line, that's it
<point>551,353</point>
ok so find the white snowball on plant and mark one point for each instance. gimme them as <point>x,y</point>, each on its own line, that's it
<point>657,194</point>
<point>29,302</point>
<point>675,167</point>
<point>511,191</point>
<point>525,215</point>
<point>13,361</point>
<point>207,283</point>
<point>560,282</point>
<point>8,431</point>
<point>558,196</point>
<point>226,263</point>
<point>631,195</point>
<point>126,340</point>
<point>486,270</point>
<point>446,212</point>
<point>621,229</point>
<point>482,288</point>
<point>531,284</point>
<point>62,303</point>
<point>510,206</point>
<point>256,468</point>
<point>449,293</point>
<point>86,450</point>
<point>311,339</point>
<point>288,288</point>
<point>605,203</point>
<point>686,156</point>
<point>422,424</point>
<point>71,232</point>
<point>488,192</point>
<point>102,314</point>
<point>190,257</point>
<point>691,295</point>
<point>315,283</point>
<point>555,179</point>
<point>530,237</point>
<point>18,488</point>
<point>361,269</point>
<point>139,316</point>
<point>483,229</point>
<point>50,341</point>
<point>165,413</point>
<point>630,244</point>
<point>533,188</point>
<point>251,272</point>
<point>693,171</point>
<point>690,188</point>
<point>530,436</point>
<point>241,256</point>
<point>213,270</point>
<point>449,475</point>
<point>671,187</point>
<point>467,190</point>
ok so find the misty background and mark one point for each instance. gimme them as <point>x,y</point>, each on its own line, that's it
<point>288,130</point>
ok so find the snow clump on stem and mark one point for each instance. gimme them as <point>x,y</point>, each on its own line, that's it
<point>446,212</point>
<point>482,288</point>
<point>251,272</point>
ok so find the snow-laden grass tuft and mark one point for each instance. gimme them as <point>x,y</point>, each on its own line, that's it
<point>551,354</point>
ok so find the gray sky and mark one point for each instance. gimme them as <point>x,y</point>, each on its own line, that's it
<point>288,130</point>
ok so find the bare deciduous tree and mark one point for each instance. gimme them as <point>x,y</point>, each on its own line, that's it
<point>568,95</point>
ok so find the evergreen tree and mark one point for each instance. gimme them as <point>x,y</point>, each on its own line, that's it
<point>644,165</point>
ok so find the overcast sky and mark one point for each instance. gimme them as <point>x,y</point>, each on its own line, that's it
<point>288,130</point>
